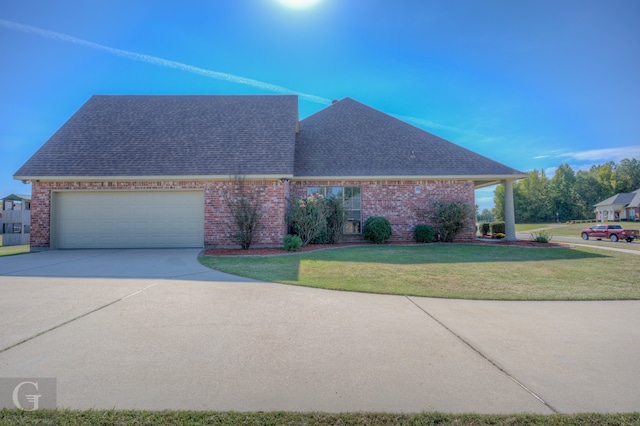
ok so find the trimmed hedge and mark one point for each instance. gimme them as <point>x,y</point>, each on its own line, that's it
<point>424,233</point>
<point>377,229</point>
<point>498,228</point>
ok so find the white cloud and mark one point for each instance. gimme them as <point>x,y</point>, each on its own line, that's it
<point>604,154</point>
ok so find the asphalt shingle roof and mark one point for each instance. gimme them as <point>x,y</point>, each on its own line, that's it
<point>351,139</point>
<point>628,199</point>
<point>172,136</point>
<point>131,136</point>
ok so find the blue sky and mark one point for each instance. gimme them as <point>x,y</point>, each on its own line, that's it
<point>530,83</point>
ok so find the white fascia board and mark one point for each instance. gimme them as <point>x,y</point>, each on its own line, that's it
<point>485,180</point>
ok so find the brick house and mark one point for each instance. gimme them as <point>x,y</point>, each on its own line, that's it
<point>154,171</point>
<point>623,206</point>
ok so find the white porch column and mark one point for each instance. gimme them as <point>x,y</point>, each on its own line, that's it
<point>509,212</point>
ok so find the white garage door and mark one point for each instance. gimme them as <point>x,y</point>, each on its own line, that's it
<point>135,219</point>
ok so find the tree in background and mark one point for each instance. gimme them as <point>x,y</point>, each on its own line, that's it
<point>627,175</point>
<point>567,195</point>
<point>563,196</point>
<point>485,216</point>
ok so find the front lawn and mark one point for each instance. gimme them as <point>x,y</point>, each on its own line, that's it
<point>465,271</point>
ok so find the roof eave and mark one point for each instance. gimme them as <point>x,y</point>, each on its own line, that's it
<point>146,178</point>
<point>488,179</point>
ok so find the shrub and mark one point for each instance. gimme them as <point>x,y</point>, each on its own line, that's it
<point>307,217</point>
<point>498,228</point>
<point>448,218</point>
<point>377,229</point>
<point>485,227</point>
<point>424,233</point>
<point>541,237</point>
<point>499,236</point>
<point>292,242</point>
<point>336,218</point>
<point>320,238</point>
<point>245,208</point>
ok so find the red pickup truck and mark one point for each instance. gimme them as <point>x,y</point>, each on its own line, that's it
<point>612,232</point>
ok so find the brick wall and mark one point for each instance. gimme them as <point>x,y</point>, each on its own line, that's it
<point>395,200</point>
<point>398,201</point>
<point>218,221</point>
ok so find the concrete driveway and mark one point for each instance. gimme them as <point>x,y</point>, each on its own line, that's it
<point>153,329</point>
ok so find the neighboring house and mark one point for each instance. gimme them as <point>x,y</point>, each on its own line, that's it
<point>623,206</point>
<point>15,219</point>
<point>153,171</point>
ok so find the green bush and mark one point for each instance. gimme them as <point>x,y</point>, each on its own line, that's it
<point>424,233</point>
<point>336,215</point>
<point>485,227</point>
<point>377,229</point>
<point>498,228</point>
<point>245,205</point>
<point>541,237</point>
<point>320,238</point>
<point>448,217</point>
<point>292,242</point>
<point>307,217</point>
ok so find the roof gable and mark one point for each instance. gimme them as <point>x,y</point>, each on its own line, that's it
<point>172,136</point>
<point>623,199</point>
<point>349,139</point>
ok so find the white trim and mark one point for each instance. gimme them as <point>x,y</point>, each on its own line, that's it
<point>492,178</point>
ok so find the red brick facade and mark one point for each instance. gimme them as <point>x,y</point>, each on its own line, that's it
<point>395,200</point>
<point>218,222</point>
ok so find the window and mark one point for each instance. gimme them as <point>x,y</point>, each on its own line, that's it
<point>351,199</point>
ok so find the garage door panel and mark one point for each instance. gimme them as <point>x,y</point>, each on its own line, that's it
<point>153,219</point>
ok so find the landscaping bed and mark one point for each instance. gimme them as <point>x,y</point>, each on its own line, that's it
<point>272,251</point>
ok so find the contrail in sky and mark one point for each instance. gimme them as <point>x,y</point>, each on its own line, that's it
<point>163,62</point>
<point>200,71</point>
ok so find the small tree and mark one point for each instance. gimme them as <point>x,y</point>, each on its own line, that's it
<point>336,218</point>
<point>307,216</point>
<point>245,209</point>
<point>448,218</point>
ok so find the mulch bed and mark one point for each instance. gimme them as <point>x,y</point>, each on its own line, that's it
<point>271,251</point>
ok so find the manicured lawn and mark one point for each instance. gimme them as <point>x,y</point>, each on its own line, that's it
<point>11,250</point>
<point>525,227</point>
<point>563,230</point>
<point>465,271</point>
<point>113,417</point>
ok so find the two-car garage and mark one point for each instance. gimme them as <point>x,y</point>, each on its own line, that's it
<point>127,219</point>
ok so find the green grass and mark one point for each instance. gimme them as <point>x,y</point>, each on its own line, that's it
<point>113,417</point>
<point>13,250</point>
<point>464,271</point>
<point>563,230</point>
<point>524,227</point>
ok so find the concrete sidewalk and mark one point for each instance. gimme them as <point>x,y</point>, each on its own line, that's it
<point>153,329</point>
